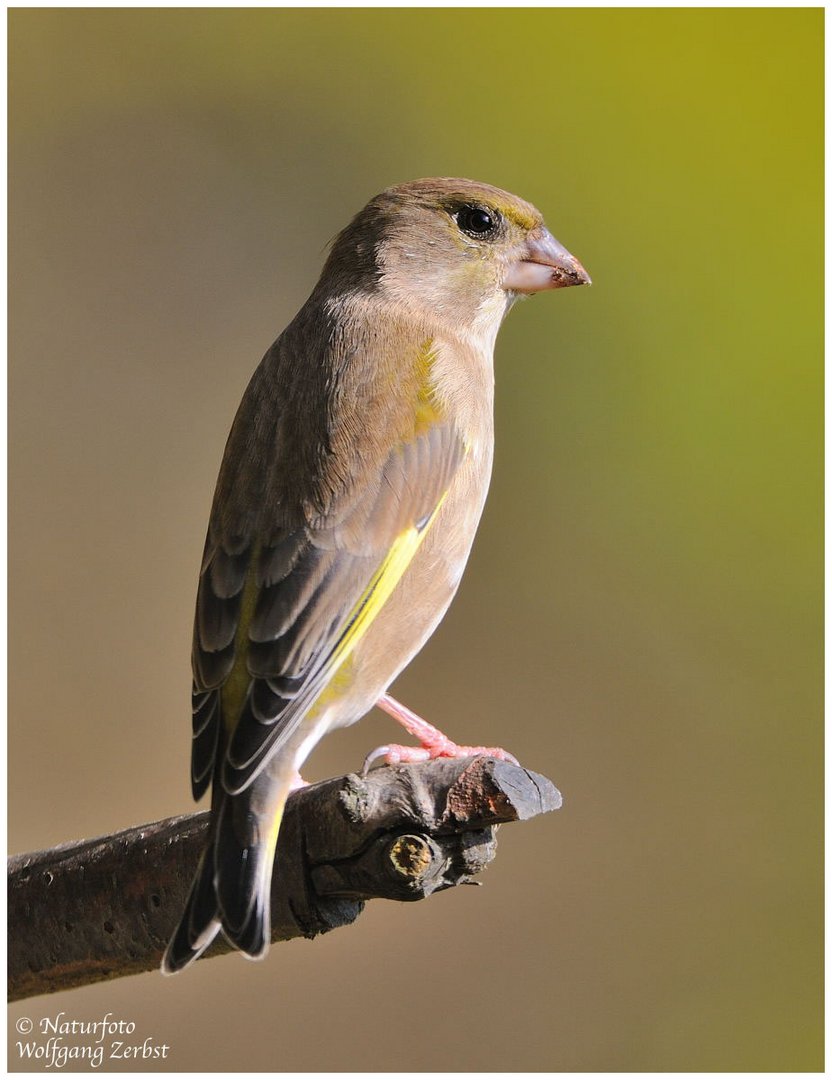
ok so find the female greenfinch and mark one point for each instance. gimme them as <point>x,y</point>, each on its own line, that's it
<point>351,487</point>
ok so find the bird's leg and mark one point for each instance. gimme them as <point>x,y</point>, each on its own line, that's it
<point>433,744</point>
<point>297,782</point>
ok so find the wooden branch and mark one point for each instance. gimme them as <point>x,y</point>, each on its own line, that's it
<point>100,909</point>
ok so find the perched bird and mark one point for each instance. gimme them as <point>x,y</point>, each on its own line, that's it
<point>347,501</point>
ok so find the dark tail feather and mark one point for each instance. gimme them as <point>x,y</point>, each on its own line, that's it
<point>200,922</point>
<point>232,886</point>
<point>243,858</point>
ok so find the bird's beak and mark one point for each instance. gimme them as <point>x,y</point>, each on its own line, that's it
<point>544,264</point>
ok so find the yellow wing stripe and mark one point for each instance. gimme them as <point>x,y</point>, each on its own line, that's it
<point>372,600</point>
<point>335,675</point>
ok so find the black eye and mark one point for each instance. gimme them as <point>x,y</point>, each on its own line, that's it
<point>476,221</point>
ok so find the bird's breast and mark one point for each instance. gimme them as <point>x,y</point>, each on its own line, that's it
<point>461,393</point>
<point>423,594</point>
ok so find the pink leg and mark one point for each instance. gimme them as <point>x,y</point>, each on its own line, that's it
<point>298,782</point>
<point>433,744</point>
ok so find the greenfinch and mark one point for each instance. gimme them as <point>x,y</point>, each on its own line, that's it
<point>351,487</point>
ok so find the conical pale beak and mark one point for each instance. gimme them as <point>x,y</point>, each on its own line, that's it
<point>545,264</point>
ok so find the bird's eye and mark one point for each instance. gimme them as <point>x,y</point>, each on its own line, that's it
<point>476,221</point>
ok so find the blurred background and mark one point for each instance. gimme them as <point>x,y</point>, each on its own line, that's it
<point>641,617</point>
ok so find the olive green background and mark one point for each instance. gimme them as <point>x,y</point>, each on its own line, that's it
<point>641,616</point>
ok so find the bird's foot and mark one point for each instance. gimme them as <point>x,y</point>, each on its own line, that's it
<point>297,782</point>
<point>433,744</point>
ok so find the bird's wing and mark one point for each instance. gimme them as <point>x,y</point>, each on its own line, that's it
<point>279,610</point>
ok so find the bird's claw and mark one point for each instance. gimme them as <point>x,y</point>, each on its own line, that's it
<point>374,755</point>
<point>394,754</point>
<point>433,744</point>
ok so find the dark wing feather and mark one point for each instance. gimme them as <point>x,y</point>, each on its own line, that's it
<point>284,595</point>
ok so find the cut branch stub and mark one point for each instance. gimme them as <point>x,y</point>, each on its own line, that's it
<point>103,908</point>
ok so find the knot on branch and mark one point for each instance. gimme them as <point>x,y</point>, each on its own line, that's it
<point>401,832</point>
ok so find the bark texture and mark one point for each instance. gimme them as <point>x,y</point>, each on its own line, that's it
<point>100,909</point>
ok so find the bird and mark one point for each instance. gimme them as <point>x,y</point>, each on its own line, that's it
<point>352,483</point>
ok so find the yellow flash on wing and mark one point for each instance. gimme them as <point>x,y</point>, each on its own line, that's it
<point>372,600</point>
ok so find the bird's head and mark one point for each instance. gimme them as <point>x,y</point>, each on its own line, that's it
<point>454,249</point>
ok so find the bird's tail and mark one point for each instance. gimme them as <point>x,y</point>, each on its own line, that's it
<point>200,922</point>
<point>232,886</point>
